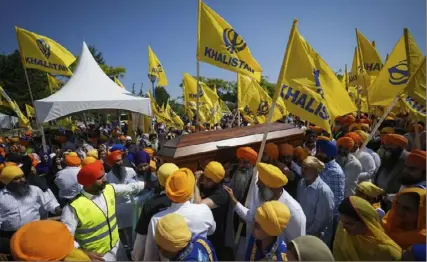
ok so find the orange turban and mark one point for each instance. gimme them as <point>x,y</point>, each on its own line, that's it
<point>340,119</point>
<point>272,151</point>
<point>316,129</point>
<point>345,142</point>
<point>323,138</point>
<point>355,136</point>
<point>397,140</point>
<point>149,151</point>
<point>179,186</point>
<point>301,154</point>
<point>72,159</point>
<point>365,121</point>
<point>417,158</point>
<point>43,240</point>
<point>122,138</point>
<point>286,150</point>
<point>349,120</point>
<point>247,153</point>
<point>113,157</point>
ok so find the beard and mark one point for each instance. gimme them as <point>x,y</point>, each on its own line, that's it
<point>264,194</point>
<point>20,189</point>
<point>341,159</point>
<point>240,182</point>
<point>119,172</point>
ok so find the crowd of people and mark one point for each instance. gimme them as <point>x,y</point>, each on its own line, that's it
<point>330,198</point>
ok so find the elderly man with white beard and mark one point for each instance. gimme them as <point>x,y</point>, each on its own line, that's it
<point>240,182</point>
<point>270,187</point>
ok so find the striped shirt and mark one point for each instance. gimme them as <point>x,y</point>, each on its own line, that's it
<point>17,211</point>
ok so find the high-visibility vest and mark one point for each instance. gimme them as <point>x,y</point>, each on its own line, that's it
<point>96,232</point>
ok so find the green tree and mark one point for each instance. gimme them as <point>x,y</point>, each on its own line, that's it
<point>13,81</point>
<point>161,95</point>
<point>177,107</point>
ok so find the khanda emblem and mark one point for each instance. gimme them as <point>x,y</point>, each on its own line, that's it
<point>44,47</point>
<point>262,108</point>
<point>159,68</point>
<point>233,41</point>
<point>398,74</point>
<point>319,89</point>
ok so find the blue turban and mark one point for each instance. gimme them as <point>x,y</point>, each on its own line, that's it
<point>327,147</point>
<point>141,157</point>
<point>116,147</point>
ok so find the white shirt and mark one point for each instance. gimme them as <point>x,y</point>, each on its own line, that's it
<point>376,157</point>
<point>123,203</point>
<point>199,219</point>
<point>66,180</point>
<point>18,211</point>
<point>368,165</point>
<point>297,223</point>
<point>70,219</point>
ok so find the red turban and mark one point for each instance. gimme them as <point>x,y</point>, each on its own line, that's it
<point>349,120</point>
<point>397,140</point>
<point>113,157</point>
<point>355,136</point>
<point>247,153</point>
<point>90,173</point>
<point>345,142</point>
<point>417,158</point>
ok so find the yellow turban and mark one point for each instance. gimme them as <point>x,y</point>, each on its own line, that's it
<point>93,153</point>
<point>387,130</point>
<point>149,151</point>
<point>354,126</point>
<point>313,163</point>
<point>179,186</point>
<point>364,127</point>
<point>271,176</point>
<point>72,159</point>
<point>9,173</point>
<point>165,171</point>
<point>362,134</point>
<point>88,160</point>
<point>369,189</point>
<point>172,233</point>
<point>215,171</point>
<point>273,217</point>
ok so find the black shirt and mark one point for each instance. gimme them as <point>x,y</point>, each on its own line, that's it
<point>150,208</point>
<point>219,196</point>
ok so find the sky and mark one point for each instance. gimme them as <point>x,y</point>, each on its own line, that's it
<point>122,30</point>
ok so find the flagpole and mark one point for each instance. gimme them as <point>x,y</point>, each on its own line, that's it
<point>198,92</point>
<point>364,86</point>
<point>35,111</point>
<point>238,111</point>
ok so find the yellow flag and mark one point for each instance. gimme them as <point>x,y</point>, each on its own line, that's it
<point>117,81</point>
<point>394,75</point>
<point>254,103</point>
<point>414,97</point>
<point>22,119</point>
<point>159,112</point>
<point>156,68</point>
<point>40,52</point>
<point>224,107</point>
<point>219,45</point>
<point>345,79</point>
<point>213,113</point>
<point>178,123</point>
<point>205,102</point>
<point>54,84</point>
<point>368,55</point>
<point>12,108</point>
<point>30,111</point>
<point>309,88</point>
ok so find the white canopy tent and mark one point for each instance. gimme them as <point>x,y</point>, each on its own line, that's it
<point>88,89</point>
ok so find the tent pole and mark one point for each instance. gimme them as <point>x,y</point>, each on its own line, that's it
<point>35,111</point>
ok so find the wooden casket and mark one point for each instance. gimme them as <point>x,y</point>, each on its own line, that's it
<point>194,151</point>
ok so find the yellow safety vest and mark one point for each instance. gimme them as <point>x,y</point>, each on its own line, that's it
<point>96,232</point>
